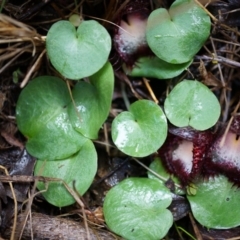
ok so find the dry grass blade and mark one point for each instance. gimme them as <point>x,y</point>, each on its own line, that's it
<point>13,38</point>
<point>10,27</point>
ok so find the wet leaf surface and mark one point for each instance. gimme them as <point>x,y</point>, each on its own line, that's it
<point>191,103</point>
<point>136,209</point>
<point>42,117</point>
<point>177,34</point>
<point>213,204</point>
<point>92,102</point>
<point>141,131</point>
<point>77,172</point>
<point>81,53</point>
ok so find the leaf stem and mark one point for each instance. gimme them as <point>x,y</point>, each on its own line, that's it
<point>124,95</point>
<point>187,233</point>
<point>154,173</point>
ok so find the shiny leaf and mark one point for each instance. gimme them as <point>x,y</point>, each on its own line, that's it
<point>141,131</point>
<point>175,36</point>
<point>93,102</point>
<point>153,67</point>
<point>216,203</point>
<point>77,172</point>
<point>136,209</point>
<point>78,53</point>
<point>42,117</point>
<point>191,103</point>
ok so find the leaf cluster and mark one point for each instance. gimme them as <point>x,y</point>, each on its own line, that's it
<point>60,122</point>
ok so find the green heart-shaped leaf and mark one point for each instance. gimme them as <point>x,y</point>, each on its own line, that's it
<point>175,36</point>
<point>136,209</point>
<point>216,203</point>
<point>81,53</point>
<point>153,67</point>
<point>93,102</point>
<point>141,131</point>
<point>191,103</point>
<point>77,171</point>
<point>42,117</point>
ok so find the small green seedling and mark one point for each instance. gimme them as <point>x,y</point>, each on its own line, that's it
<point>140,131</point>
<point>136,209</point>
<point>177,34</point>
<point>216,203</point>
<point>191,103</point>
<point>42,116</point>
<point>78,53</point>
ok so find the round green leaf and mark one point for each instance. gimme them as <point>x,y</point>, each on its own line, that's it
<point>78,53</point>
<point>77,172</point>
<point>175,36</point>
<point>141,131</point>
<point>136,209</point>
<point>153,67</point>
<point>75,19</point>
<point>216,203</point>
<point>92,102</point>
<point>191,103</point>
<point>42,117</point>
<point>158,168</point>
